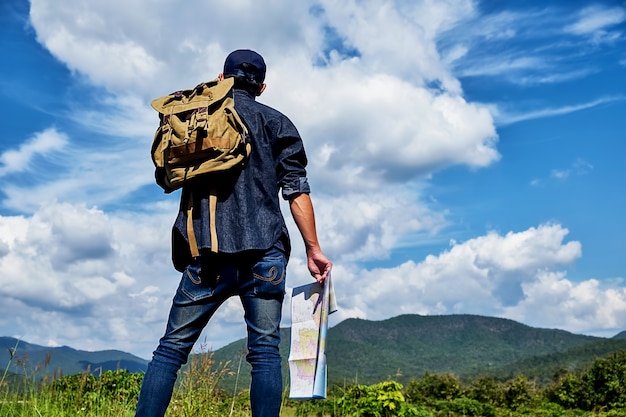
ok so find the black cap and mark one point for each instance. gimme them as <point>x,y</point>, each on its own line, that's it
<point>245,56</point>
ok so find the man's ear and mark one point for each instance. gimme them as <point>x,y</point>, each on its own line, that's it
<point>221,76</point>
<point>262,89</point>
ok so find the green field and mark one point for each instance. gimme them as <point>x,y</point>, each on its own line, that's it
<point>598,390</point>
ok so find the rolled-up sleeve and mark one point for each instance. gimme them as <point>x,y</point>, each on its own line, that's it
<point>291,161</point>
<point>301,186</point>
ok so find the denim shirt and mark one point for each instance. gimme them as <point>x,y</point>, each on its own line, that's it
<point>248,215</point>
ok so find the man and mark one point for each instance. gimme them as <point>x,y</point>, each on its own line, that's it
<point>254,247</point>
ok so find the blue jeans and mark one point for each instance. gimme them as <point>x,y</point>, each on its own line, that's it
<point>260,283</point>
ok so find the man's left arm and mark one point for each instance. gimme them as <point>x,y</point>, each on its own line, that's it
<point>302,211</point>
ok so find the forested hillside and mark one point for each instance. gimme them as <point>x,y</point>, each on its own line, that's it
<point>408,346</point>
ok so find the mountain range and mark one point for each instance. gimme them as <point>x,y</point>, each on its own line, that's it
<point>468,346</point>
<point>364,351</point>
<point>30,359</point>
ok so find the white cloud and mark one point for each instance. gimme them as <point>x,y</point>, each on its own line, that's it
<point>519,275</point>
<point>371,115</point>
<point>68,267</point>
<point>100,170</point>
<point>375,127</point>
<point>504,117</point>
<point>525,251</point>
<point>578,168</point>
<point>123,116</point>
<point>414,56</point>
<point>367,226</point>
<point>560,174</point>
<point>21,159</point>
<point>138,47</point>
<point>503,65</point>
<point>596,18</point>
<point>554,301</point>
<point>533,46</point>
<point>582,167</point>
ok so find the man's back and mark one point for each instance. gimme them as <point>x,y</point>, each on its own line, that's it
<point>251,262</point>
<point>248,215</point>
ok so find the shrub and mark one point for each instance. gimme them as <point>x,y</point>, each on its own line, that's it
<point>569,392</point>
<point>85,391</point>
<point>486,390</point>
<point>384,399</point>
<point>432,387</point>
<point>120,386</point>
<point>465,407</point>
<point>519,392</point>
<point>603,386</point>
<point>607,379</point>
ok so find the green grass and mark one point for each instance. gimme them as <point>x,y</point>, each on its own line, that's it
<point>198,394</point>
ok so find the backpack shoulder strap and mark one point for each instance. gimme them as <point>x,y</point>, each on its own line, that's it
<point>191,235</point>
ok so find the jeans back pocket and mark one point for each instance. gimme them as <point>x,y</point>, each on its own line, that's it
<point>269,274</point>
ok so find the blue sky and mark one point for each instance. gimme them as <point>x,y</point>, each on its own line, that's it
<point>465,157</point>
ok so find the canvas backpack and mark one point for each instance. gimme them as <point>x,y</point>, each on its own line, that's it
<point>199,133</point>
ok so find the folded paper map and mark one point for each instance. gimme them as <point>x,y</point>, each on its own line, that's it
<point>310,306</point>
